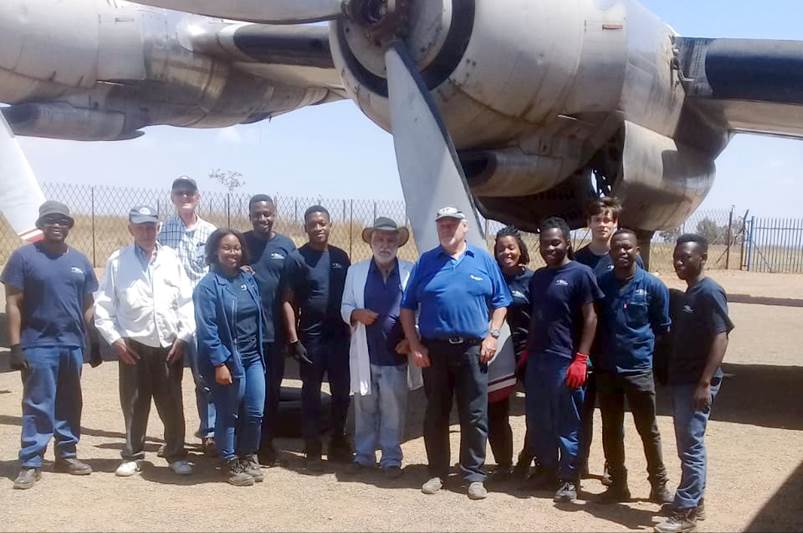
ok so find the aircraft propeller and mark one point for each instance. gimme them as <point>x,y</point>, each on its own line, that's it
<point>22,195</point>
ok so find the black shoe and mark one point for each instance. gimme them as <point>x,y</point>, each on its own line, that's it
<point>27,478</point>
<point>616,493</point>
<point>522,468</point>
<point>680,521</point>
<point>567,493</point>
<point>235,473</point>
<point>393,472</point>
<point>339,450</point>
<point>355,469</point>
<point>267,455</point>
<point>660,494</point>
<point>501,474</point>
<point>313,463</point>
<point>542,480</point>
<point>252,468</point>
<point>72,466</point>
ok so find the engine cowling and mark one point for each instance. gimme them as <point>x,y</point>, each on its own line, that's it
<point>63,121</point>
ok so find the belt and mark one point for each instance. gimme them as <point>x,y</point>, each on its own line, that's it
<point>456,340</point>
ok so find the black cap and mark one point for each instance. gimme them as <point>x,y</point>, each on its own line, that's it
<point>184,181</point>
<point>52,207</point>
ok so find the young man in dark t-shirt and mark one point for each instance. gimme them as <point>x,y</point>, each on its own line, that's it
<point>49,288</point>
<point>269,251</point>
<point>700,338</point>
<point>313,282</point>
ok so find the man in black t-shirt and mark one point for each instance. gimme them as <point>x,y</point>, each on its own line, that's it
<point>700,340</point>
<point>269,251</point>
<point>313,283</point>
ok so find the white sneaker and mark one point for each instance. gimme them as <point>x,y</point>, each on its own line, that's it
<point>181,467</point>
<point>127,469</point>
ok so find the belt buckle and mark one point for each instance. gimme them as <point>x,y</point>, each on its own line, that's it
<point>456,340</point>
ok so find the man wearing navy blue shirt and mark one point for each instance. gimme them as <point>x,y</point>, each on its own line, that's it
<point>314,279</point>
<point>634,315</point>
<point>457,290</point>
<point>269,251</point>
<point>49,288</point>
<point>700,340</point>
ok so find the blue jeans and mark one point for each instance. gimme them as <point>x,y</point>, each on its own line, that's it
<point>51,403</point>
<point>203,394</point>
<point>690,427</point>
<point>239,408</point>
<point>553,415</point>
<point>379,417</point>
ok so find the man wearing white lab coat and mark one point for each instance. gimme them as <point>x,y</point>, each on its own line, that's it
<point>380,375</point>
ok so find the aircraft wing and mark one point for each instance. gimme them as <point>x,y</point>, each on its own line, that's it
<point>293,55</point>
<point>745,85</point>
<point>20,195</point>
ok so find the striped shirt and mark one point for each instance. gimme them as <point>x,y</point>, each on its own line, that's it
<point>189,244</point>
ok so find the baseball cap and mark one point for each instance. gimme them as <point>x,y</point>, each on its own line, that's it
<point>52,207</point>
<point>184,181</point>
<point>450,212</point>
<point>142,214</point>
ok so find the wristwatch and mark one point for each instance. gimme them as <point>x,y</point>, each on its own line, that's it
<point>495,333</point>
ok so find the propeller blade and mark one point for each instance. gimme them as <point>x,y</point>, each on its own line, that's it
<point>262,11</point>
<point>431,175</point>
<point>20,194</point>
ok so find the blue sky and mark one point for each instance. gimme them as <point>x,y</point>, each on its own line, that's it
<point>334,151</point>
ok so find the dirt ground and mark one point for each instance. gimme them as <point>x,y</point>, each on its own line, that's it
<point>755,446</point>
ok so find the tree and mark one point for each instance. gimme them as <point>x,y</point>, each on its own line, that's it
<point>669,236</point>
<point>230,179</point>
<point>713,232</point>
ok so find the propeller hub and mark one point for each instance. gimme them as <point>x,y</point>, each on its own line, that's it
<point>383,20</point>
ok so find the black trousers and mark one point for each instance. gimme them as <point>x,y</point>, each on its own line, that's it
<point>152,378</point>
<point>274,356</point>
<point>639,390</point>
<point>456,370</point>
<point>587,420</point>
<point>500,434</point>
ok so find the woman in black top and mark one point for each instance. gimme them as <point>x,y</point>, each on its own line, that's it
<point>512,256</point>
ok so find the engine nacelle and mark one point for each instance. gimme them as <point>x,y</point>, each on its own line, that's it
<point>63,121</point>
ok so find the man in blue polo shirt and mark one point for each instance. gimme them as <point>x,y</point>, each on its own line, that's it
<point>457,290</point>
<point>49,288</point>
<point>269,251</point>
<point>634,315</point>
<point>700,341</point>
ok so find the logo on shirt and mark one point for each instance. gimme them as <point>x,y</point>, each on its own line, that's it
<point>475,278</point>
<point>562,283</point>
<point>76,270</point>
<point>244,287</point>
<point>276,255</point>
<point>688,309</point>
<point>640,292</point>
<point>337,266</point>
<point>518,294</point>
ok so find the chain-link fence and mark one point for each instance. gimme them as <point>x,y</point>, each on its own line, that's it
<point>100,214</point>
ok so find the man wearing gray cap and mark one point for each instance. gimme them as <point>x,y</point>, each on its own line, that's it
<point>186,233</point>
<point>144,311</point>
<point>49,288</point>
<point>457,290</point>
<point>379,372</point>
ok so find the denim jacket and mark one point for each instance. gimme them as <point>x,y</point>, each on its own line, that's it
<point>215,313</point>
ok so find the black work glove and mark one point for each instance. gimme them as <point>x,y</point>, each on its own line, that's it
<point>299,352</point>
<point>17,359</point>
<point>95,360</point>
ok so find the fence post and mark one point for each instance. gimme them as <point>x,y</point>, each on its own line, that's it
<point>351,222</point>
<point>373,219</point>
<point>94,255</point>
<point>228,210</point>
<point>730,238</point>
<point>749,237</point>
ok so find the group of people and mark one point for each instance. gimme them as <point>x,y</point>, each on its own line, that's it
<point>591,327</point>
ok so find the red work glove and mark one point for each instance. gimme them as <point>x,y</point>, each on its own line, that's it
<point>576,374</point>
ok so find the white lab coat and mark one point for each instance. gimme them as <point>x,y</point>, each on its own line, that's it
<point>154,311</point>
<point>354,298</point>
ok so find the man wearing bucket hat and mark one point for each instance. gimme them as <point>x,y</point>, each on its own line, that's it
<point>49,288</point>
<point>144,311</point>
<point>379,371</point>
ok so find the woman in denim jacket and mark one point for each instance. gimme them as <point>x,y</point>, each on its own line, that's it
<point>230,322</point>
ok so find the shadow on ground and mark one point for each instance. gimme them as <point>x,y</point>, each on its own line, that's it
<point>784,511</point>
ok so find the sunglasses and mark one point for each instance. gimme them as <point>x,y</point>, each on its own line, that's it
<point>57,220</point>
<point>186,193</point>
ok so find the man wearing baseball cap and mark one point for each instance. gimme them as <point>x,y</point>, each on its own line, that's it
<point>379,371</point>
<point>144,311</point>
<point>186,233</point>
<point>49,288</point>
<point>457,290</point>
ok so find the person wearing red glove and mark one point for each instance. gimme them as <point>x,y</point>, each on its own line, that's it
<point>561,332</point>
